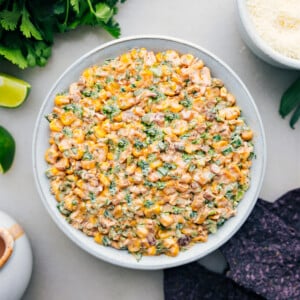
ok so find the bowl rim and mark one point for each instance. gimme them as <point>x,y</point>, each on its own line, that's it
<point>63,225</point>
<point>260,43</point>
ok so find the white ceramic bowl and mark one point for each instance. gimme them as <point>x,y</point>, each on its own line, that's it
<point>220,70</point>
<point>258,46</point>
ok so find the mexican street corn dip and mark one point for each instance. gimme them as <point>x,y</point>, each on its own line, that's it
<point>148,152</point>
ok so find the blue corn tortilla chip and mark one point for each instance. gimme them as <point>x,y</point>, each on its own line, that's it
<point>194,282</point>
<point>264,256</point>
<point>287,207</point>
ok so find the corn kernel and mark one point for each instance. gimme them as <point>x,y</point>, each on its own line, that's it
<point>118,117</point>
<point>99,132</point>
<point>53,171</point>
<point>98,238</point>
<point>189,148</point>
<point>247,135</point>
<point>78,135</point>
<point>134,245</point>
<point>102,95</point>
<point>219,145</point>
<point>176,107</point>
<point>61,100</point>
<point>125,58</point>
<point>153,210</point>
<point>88,164</point>
<point>142,231</point>
<point>67,118</point>
<point>117,212</point>
<point>110,156</point>
<point>151,251</point>
<point>173,251</point>
<point>55,125</point>
<point>164,234</point>
<point>86,73</point>
<point>166,220</point>
<point>156,164</point>
<point>159,57</point>
<point>104,179</point>
<point>137,153</point>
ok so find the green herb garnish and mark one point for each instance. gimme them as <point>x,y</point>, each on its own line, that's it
<point>28,27</point>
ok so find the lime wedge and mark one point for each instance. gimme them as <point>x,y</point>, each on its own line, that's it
<point>7,150</point>
<point>13,91</point>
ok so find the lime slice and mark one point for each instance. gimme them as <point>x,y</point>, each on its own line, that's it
<point>13,91</point>
<point>7,150</point>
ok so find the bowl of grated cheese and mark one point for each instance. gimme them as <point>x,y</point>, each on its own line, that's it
<point>271,29</point>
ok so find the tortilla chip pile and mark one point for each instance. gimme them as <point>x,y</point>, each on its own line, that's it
<point>263,259</point>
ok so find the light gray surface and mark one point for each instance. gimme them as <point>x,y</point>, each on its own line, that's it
<point>61,269</point>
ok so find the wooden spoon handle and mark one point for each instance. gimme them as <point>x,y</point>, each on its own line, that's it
<point>8,244</point>
<point>16,231</point>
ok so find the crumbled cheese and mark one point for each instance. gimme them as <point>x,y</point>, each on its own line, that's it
<point>278,23</point>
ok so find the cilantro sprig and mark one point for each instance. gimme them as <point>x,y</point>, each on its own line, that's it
<point>27,28</point>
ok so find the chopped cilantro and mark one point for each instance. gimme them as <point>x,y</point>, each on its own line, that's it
<point>110,110</point>
<point>146,120</point>
<point>112,188</point>
<point>62,209</point>
<point>139,144</point>
<point>163,171</point>
<point>177,210</point>
<point>87,156</point>
<point>92,196</point>
<point>75,108</point>
<point>217,138</point>
<point>186,102</point>
<point>151,157</point>
<point>122,143</point>
<point>192,167</point>
<point>170,116</point>
<point>204,135</point>
<point>148,203</point>
<point>160,185</point>
<point>128,199</point>
<point>187,157</point>
<point>236,141</point>
<point>109,79</point>
<point>156,71</point>
<point>149,183</point>
<point>67,131</point>
<point>144,166</point>
<point>151,132</point>
<point>162,145</point>
<point>252,155</point>
<point>227,150</point>
<point>221,221</point>
<point>106,241</point>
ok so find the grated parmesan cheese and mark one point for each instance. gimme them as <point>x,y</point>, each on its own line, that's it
<point>278,23</point>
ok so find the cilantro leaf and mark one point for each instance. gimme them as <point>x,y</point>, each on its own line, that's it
<point>27,28</point>
<point>103,12</point>
<point>15,56</point>
<point>9,19</point>
<point>75,5</point>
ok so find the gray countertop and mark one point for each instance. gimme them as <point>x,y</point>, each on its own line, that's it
<point>61,269</point>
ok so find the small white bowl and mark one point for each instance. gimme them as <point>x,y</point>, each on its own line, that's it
<point>219,69</point>
<point>15,261</point>
<point>258,46</point>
